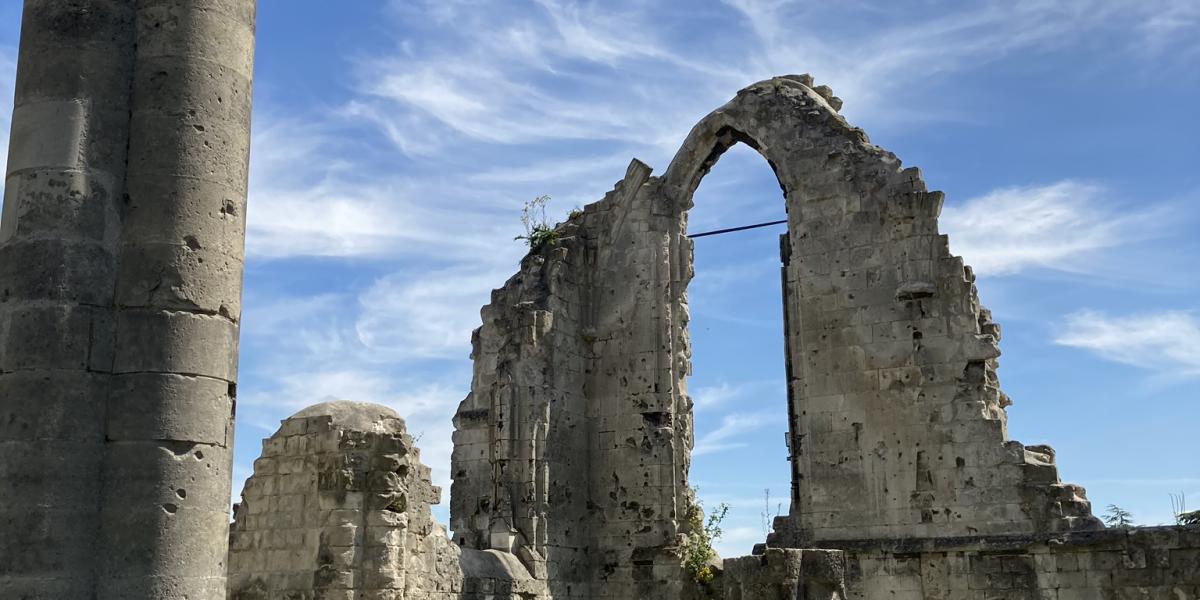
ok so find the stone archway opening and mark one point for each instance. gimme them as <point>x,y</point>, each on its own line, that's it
<point>738,381</point>
<point>574,448</point>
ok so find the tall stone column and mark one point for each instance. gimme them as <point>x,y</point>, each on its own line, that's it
<point>165,514</point>
<point>58,246</point>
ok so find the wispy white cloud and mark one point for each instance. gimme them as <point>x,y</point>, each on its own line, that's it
<point>1061,226</point>
<point>714,396</point>
<point>719,396</point>
<point>540,71</point>
<point>425,315</point>
<point>909,47</point>
<point>312,194</point>
<point>1166,342</point>
<point>725,436</point>
<point>1171,26</point>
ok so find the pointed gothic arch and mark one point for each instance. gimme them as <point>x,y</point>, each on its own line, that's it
<point>575,439</point>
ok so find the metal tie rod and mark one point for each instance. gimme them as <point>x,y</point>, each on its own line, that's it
<point>733,229</point>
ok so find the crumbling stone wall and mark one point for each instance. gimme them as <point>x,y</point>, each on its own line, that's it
<point>339,507</point>
<point>897,422</point>
<point>1153,563</point>
<point>575,438</point>
<point>785,574</point>
<point>571,450</point>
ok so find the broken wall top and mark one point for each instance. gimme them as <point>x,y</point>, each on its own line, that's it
<point>576,436</point>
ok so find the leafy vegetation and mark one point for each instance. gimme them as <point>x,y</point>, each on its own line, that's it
<point>696,550</point>
<point>538,230</point>
<point>1118,517</point>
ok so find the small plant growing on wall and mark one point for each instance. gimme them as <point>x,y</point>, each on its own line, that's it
<point>1184,517</point>
<point>769,515</point>
<point>696,549</point>
<point>538,231</point>
<point>1118,517</point>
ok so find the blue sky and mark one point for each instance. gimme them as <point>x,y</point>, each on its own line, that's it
<point>394,143</point>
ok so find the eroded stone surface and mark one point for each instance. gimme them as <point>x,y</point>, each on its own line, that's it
<point>572,450</point>
<point>339,507</point>
<point>1151,562</point>
<point>120,284</point>
<point>786,574</point>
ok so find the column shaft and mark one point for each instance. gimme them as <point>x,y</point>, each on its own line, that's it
<point>58,244</point>
<point>178,298</point>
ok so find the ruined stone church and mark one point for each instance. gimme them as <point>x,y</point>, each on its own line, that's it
<point>121,250</point>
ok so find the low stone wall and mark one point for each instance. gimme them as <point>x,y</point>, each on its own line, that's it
<point>1145,563</point>
<point>338,508</point>
<point>785,574</point>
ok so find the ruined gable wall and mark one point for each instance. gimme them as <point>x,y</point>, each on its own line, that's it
<point>520,440</point>
<point>897,419</point>
<point>575,436</point>
<point>572,449</point>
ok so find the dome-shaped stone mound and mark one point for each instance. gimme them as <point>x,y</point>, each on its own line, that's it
<point>357,416</point>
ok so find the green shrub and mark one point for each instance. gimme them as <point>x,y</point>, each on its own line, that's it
<point>538,231</point>
<point>696,550</point>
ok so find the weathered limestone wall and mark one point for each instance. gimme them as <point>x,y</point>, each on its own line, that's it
<point>575,438</point>
<point>786,574</point>
<point>1153,563</point>
<point>884,329</point>
<point>897,422</point>
<point>120,269</point>
<point>571,450</point>
<point>339,507</point>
